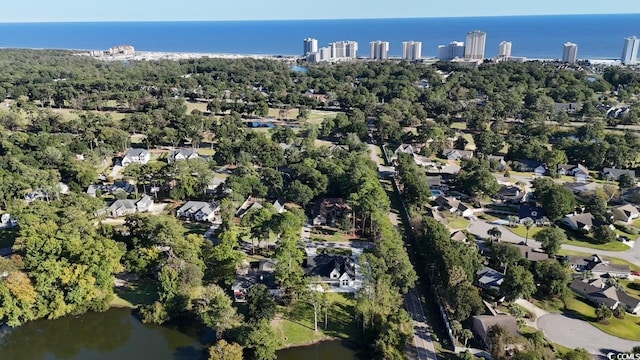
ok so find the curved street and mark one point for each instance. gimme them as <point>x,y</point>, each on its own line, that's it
<point>575,333</point>
<point>479,228</point>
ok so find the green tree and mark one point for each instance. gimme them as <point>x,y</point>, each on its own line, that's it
<point>604,235</point>
<point>603,313</point>
<point>215,308</point>
<point>261,304</point>
<point>551,239</point>
<point>518,283</point>
<point>577,354</point>
<point>261,342</point>
<point>223,350</point>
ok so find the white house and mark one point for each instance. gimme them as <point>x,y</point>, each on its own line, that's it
<point>337,271</point>
<point>182,154</point>
<point>454,206</point>
<point>124,207</point>
<point>137,156</point>
<point>199,211</point>
<point>584,222</point>
<point>579,172</point>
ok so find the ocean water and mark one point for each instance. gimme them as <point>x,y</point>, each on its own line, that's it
<point>598,36</point>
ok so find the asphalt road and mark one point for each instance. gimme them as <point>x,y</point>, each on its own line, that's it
<point>576,333</point>
<point>424,349</point>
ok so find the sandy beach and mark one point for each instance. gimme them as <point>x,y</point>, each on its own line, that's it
<point>157,55</point>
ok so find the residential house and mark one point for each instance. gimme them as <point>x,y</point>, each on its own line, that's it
<point>582,222</point>
<point>259,272</point>
<point>329,210</point>
<point>214,185</point>
<point>499,160</point>
<point>182,154</point>
<point>511,194</point>
<point>279,207</point>
<point>613,174</point>
<point>531,254</point>
<point>459,236</point>
<point>454,206</point>
<point>598,266</point>
<point>482,324</point>
<point>528,211</point>
<point>424,161</point>
<point>489,279</point>
<point>598,292</point>
<point>528,165</point>
<point>582,188</point>
<point>540,170</point>
<point>626,213</point>
<point>137,156</point>
<point>250,204</point>
<point>124,207</point>
<point>570,108</point>
<point>7,221</point>
<point>578,171</point>
<point>199,211</point>
<point>337,271</point>
<point>404,149</point>
<point>455,154</point>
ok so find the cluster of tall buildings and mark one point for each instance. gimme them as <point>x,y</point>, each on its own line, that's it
<point>348,50</point>
<point>339,50</point>
<point>472,49</point>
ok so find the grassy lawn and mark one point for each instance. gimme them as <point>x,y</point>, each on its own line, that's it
<point>8,237</point>
<point>631,287</point>
<point>201,106</point>
<point>141,292</point>
<point>631,266</point>
<point>522,231</point>
<point>457,222</point>
<point>195,228</point>
<point>329,234</point>
<point>294,326</point>
<point>627,328</point>
<point>612,246</point>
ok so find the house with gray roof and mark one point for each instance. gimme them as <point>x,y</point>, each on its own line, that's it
<point>578,171</point>
<point>489,279</point>
<point>613,174</point>
<point>199,211</point>
<point>598,292</point>
<point>182,154</point>
<point>124,207</point>
<point>598,266</point>
<point>337,271</point>
<point>582,222</point>
<point>455,154</point>
<point>137,156</point>
<point>626,213</point>
<point>482,324</point>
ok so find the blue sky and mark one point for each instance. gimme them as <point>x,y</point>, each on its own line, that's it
<point>158,10</point>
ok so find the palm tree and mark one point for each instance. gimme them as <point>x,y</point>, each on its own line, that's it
<point>465,335</point>
<point>528,223</point>
<point>494,233</point>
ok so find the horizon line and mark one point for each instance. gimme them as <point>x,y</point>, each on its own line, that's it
<point>307,19</point>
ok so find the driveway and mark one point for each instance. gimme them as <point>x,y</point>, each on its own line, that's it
<point>575,333</point>
<point>632,255</point>
<point>479,228</point>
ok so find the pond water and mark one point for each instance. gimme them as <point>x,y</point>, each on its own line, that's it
<point>300,69</point>
<point>117,334</point>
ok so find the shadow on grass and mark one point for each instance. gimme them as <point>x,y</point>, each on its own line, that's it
<point>140,292</point>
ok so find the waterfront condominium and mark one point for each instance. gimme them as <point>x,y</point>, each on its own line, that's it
<point>630,50</point>
<point>454,50</point>
<point>475,44</point>
<point>310,46</point>
<point>504,50</point>
<point>344,50</point>
<point>379,50</point>
<point>411,50</point>
<point>570,53</point>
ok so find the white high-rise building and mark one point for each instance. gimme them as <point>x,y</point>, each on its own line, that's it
<point>504,50</point>
<point>379,50</point>
<point>412,50</point>
<point>344,50</point>
<point>570,53</point>
<point>475,45</point>
<point>453,50</point>
<point>630,50</point>
<point>310,46</point>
